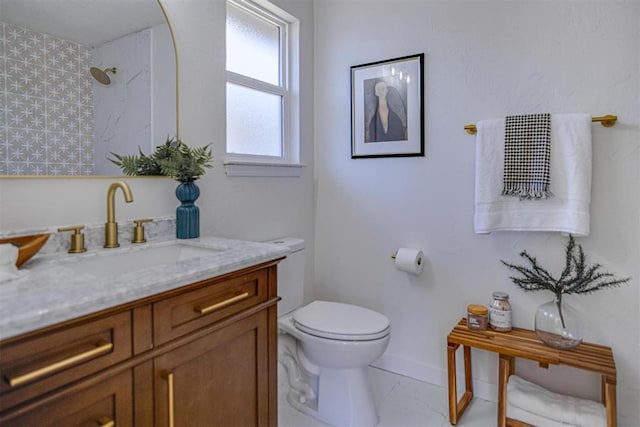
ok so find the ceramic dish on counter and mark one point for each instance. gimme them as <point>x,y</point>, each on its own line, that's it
<point>28,246</point>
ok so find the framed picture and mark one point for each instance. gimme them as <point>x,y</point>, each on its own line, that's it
<point>387,108</point>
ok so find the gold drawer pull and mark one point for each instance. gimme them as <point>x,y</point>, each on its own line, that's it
<point>170,396</point>
<point>101,347</point>
<point>105,422</point>
<point>221,304</point>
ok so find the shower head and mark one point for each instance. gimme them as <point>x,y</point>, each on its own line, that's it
<point>101,75</point>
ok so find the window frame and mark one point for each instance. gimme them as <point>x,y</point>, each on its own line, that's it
<point>290,159</point>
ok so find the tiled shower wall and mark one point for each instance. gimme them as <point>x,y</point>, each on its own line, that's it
<point>46,105</point>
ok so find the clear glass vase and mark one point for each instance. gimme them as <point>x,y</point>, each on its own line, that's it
<point>558,324</point>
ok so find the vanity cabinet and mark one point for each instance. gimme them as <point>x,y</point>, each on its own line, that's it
<point>204,354</point>
<point>218,380</point>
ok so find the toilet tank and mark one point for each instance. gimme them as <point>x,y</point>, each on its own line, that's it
<point>290,275</point>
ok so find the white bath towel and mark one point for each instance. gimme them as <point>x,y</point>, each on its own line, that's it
<point>567,211</point>
<point>526,399</point>
<point>534,419</point>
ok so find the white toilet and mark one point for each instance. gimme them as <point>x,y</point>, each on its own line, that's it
<point>325,348</point>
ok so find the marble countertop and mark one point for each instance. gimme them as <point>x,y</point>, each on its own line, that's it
<point>49,290</point>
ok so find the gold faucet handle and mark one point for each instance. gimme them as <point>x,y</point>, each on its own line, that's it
<point>77,238</point>
<point>138,230</point>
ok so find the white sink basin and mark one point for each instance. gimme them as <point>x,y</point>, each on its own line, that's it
<point>120,262</point>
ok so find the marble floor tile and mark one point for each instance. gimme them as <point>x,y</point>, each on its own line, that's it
<point>405,402</point>
<point>401,402</point>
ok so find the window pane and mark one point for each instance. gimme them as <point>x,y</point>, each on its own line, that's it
<point>253,46</point>
<point>254,121</point>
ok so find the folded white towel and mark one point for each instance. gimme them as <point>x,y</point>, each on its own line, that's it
<point>567,211</point>
<point>525,398</point>
<point>8,258</point>
<point>534,419</point>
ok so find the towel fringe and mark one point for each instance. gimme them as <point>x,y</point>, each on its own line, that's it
<point>527,191</point>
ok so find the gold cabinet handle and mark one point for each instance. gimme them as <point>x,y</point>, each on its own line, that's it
<point>170,396</point>
<point>205,310</point>
<point>101,347</point>
<point>105,422</point>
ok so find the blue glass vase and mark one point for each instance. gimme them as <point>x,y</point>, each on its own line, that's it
<point>187,214</point>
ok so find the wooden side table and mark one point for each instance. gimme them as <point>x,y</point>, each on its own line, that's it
<point>525,344</point>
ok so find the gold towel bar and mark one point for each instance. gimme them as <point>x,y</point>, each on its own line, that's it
<point>606,121</point>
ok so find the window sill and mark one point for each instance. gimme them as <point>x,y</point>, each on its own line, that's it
<point>260,169</point>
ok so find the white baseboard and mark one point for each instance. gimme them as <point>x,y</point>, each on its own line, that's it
<point>432,375</point>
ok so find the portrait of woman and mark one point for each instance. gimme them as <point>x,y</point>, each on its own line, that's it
<point>387,108</point>
<point>386,118</point>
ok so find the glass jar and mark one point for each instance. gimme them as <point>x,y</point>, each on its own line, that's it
<point>500,312</point>
<point>477,317</point>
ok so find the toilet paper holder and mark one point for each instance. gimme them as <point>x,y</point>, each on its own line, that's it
<point>395,254</point>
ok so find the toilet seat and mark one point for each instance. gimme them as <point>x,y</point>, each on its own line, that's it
<point>339,321</point>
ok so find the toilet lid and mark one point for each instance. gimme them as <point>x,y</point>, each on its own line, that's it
<point>340,321</point>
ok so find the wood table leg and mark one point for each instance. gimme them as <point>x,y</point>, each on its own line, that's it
<point>609,400</point>
<point>468,377</point>
<point>457,407</point>
<point>453,391</point>
<point>468,382</point>
<point>504,370</point>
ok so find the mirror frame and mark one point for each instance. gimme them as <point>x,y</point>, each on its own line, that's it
<point>175,53</point>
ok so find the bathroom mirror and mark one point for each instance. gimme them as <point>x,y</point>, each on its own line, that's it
<point>83,78</point>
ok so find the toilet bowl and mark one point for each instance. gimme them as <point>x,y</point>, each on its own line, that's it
<point>325,350</point>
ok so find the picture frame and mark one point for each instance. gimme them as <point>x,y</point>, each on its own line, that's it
<point>387,108</point>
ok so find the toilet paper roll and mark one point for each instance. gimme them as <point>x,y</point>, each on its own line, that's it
<point>410,260</point>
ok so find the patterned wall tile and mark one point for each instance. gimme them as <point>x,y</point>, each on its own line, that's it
<point>46,105</point>
<point>2,47</point>
<point>4,127</point>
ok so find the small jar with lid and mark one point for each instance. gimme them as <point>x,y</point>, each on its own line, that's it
<point>477,317</point>
<point>500,312</point>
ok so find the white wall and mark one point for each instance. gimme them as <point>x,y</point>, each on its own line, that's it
<point>246,208</point>
<point>250,208</point>
<point>27,203</point>
<point>483,60</point>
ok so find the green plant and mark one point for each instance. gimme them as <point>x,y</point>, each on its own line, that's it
<point>174,158</point>
<point>576,277</point>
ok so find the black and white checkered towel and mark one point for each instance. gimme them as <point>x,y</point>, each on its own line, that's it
<point>527,156</point>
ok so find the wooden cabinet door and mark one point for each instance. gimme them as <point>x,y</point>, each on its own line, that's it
<point>220,380</point>
<point>108,403</point>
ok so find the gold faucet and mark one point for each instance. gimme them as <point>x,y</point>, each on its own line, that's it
<point>111,226</point>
